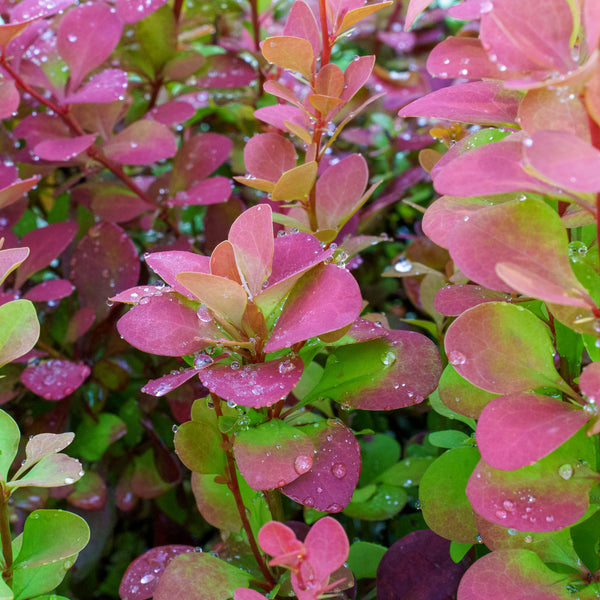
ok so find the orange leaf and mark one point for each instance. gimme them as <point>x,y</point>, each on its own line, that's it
<point>330,81</point>
<point>296,183</point>
<point>288,52</point>
<point>352,17</point>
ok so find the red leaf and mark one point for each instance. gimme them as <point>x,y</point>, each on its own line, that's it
<point>86,37</point>
<point>589,382</point>
<point>453,300</point>
<point>162,325</point>
<point>170,263</point>
<point>10,259</point>
<point>356,75</point>
<point>80,322</point>
<point>268,156</point>
<point>45,244</point>
<point>104,263</point>
<point>53,289</point>
<point>415,8</point>
<point>141,143</point>
<point>258,385</point>
<point>167,383</point>
<point>226,71</point>
<point>518,429</point>
<point>61,149</point>
<point>210,191</point>
<point>327,298</point>
<point>330,483</point>
<point>34,9</point>
<point>142,575</point>
<point>172,113</point>
<point>55,379</point>
<point>15,191</point>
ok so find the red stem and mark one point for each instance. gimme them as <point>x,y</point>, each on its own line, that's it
<point>326,53</point>
<point>235,490</point>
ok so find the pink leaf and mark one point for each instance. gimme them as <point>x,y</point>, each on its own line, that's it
<point>55,379</point>
<point>86,37</point>
<point>482,102</point>
<point>45,244</point>
<point>293,255</point>
<point>34,9</point>
<point>490,169</point>
<point>330,482</point>
<point>170,263</point>
<point>104,263</point>
<point>327,547</point>
<point>508,574</point>
<point>9,98</point>
<point>209,191</point>
<point>247,594</point>
<point>62,149</point>
<point>591,24</point>
<point>453,300</point>
<point>564,159</point>
<point>132,11</point>
<point>53,289</point>
<point>535,41</point>
<point>538,265</point>
<point>258,385</point>
<point>339,191</point>
<point>589,382</point>
<point>167,383</point>
<point>10,259</point>
<point>301,23</point>
<point>141,143</point>
<point>278,114</point>
<point>251,236</point>
<point>415,8</point>
<point>268,156</point>
<point>327,298</point>
<point>107,86</point>
<point>356,75</point>
<point>278,539</point>
<point>518,429</point>
<point>162,325</point>
<point>142,575</point>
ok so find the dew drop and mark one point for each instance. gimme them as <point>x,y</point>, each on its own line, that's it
<point>388,358</point>
<point>512,531</point>
<point>403,266</point>
<point>308,501</point>
<point>565,471</point>
<point>457,358</point>
<point>501,514</point>
<point>339,470</point>
<point>147,578</point>
<point>302,464</point>
<point>69,480</point>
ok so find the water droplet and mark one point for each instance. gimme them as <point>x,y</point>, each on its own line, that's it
<point>334,507</point>
<point>403,266</point>
<point>565,471</point>
<point>388,358</point>
<point>457,358</point>
<point>508,505</point>
<point>501,514</point>
<point>339,470</point>
<point>528,539</point>
<point>302,464</point>
<point>174,428</point>
<point>235,365</point>
<point>69,480</point>
<point>308,501</point>
<point>287,366</point>
<point>147,578</point>
<point>201,361</point>
<point>512,531</point>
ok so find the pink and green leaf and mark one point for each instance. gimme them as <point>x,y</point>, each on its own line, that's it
<point>19,330</point>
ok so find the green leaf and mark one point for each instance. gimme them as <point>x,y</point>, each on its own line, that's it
<point>442,408</point>
<point>378,453</point>
<point>444,503</point>
<point>586,541</point>
<point>5,592</point>
<point>10,437</point>
<point>93,438</point>
<point>387,501</point>
<point>42,445</point>
<point>50,536</point>
<point>364,558</point>
<point>19,329</point>
<point>32,581</point>
<point>200,576</point>
<point>157,35</point>
<point>407,472</point>
<point>458,551</point>
<point>450,438</point>
<point>197,444</point>
<point>51,471</point>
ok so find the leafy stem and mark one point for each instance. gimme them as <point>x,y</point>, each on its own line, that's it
<point>5,536</point>
<point>234,486</point>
